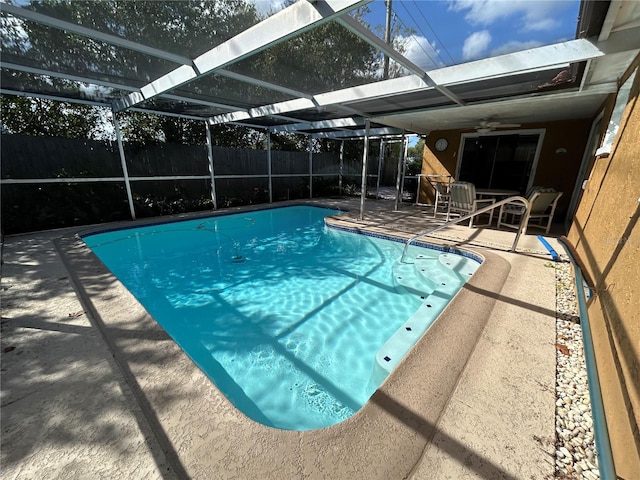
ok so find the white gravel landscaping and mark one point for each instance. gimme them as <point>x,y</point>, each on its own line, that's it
<point>575,448</point>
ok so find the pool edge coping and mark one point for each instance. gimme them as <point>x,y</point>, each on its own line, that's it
<point>384,413</point>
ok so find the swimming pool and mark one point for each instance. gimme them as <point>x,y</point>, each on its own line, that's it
<point>285,315</point>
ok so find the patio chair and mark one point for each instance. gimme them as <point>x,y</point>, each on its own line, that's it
<point>441,189</point>
<point>463,200</point>
<point>542,205</point>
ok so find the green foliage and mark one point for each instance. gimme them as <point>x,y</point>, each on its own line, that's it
<point>184,27</point>
<point>289,142</point>
<point>417,150</point>
<point>36,116</point>
<point>414,166</point>
<point>237,137</point>
<point>326,58</point>
<point>322,59</point>
<point>188,28</point>
<point>148,128</point>
<point>399,35</point>
<point>414,158</point>
<point>39,207</point>
<point>325,187</point>
<point>153,205</point>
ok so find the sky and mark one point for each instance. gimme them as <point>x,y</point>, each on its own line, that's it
<point>447,32</point>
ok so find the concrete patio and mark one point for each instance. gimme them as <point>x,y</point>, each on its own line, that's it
<point>91,389</point>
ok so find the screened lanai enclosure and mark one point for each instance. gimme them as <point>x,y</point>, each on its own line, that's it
<point>115,110</point>
<point>52,182</point>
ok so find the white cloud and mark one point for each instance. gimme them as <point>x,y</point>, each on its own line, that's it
<point>531,15</point>
<point>538,24</point>
<point>475,45</point>
<point>515,46</point>
<point>420,51</point>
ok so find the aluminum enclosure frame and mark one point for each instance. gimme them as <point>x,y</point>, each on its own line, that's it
<point>300,17</point>
<point>288,115</point>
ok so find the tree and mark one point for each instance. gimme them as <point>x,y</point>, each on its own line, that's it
<point>325,58</point>
<point>187,28</point>
<point>416,151</point>
<point>37,116</point>
<point>322,59</point>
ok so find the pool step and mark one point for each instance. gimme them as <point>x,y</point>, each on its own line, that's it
<point>445,274</point>
<point>397,346</point>
<point>458,265</point>
<point>407,278</point>
<point>440,275</point>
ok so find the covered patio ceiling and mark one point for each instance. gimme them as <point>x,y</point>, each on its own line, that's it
<point>215,84</point>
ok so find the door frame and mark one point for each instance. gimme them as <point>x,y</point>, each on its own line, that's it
<point>593,142</point>
<point>532,131</point>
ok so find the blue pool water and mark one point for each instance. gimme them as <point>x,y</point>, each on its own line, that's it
<point>284,314</point>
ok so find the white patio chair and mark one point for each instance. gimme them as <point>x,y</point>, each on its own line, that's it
<point>542,203</point>
<point>463,200</point>
<point>441,190</point>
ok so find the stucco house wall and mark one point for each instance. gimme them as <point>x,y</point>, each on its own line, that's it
<point>560,157</point>
<point>606,236</point>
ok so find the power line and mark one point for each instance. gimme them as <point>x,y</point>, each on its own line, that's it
<point>435,35</point>
<point>423,32</point>
<point>414,21</point>
<point>416,40</point>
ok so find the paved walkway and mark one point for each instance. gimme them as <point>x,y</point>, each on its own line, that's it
<point>69,409</point>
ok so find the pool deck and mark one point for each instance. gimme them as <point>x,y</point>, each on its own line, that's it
<point>93,388</point>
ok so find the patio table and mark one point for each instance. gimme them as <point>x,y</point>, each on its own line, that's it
<point>495,192</point>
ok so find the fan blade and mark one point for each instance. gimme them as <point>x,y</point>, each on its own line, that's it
<point>493,124</point>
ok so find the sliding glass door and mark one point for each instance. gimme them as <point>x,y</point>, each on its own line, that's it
<point>502,161</point>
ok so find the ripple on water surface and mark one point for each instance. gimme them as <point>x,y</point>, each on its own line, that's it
<point>289,333</point>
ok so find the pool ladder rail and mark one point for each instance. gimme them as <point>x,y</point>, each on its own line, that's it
<point>521,228</point>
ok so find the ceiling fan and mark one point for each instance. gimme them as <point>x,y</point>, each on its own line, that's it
<point>488,125</point>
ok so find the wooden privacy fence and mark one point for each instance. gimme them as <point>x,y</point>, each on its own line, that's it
<point>50,182</point>
<point>26,157</point>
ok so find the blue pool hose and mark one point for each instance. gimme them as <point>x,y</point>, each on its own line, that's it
<point>549,248</point>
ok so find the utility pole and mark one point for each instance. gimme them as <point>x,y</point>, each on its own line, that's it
<point>387,39</point>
